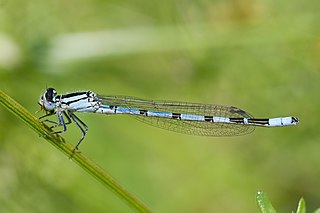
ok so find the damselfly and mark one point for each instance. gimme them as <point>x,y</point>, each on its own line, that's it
<point>183,117</point>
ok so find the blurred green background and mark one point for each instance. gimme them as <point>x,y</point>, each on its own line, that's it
<point>262,56</point>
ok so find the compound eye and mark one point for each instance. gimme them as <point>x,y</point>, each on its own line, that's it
<point>50,94</point>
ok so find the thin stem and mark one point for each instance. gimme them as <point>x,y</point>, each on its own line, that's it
<point>84,162</point>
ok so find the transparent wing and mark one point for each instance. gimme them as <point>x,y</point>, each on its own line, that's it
<point>183,126</point>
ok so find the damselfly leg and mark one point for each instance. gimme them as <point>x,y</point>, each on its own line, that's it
<point>61,122</point>
<point>82,126</point>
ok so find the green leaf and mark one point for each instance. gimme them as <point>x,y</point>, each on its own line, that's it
<point>66,148</point>
<point>264,203</point>
<point>301,206</point>
<point>317,211</point>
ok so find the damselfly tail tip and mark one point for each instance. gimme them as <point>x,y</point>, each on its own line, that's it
<point>295,120</point>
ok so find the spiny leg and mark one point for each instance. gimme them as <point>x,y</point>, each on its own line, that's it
<point>47,120</point>
<point>82,126</point>
<point>61,121</point>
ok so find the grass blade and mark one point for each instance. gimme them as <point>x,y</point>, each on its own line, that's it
<point>58,142</point>
<point>301,206</point>
<point>264,203</point>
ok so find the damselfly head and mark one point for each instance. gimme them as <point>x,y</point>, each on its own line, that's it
<point>47,100</point>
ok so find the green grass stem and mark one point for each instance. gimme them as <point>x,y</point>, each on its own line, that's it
<point>84,162</point>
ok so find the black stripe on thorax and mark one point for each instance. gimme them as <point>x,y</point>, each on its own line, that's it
<point>74,94</point>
